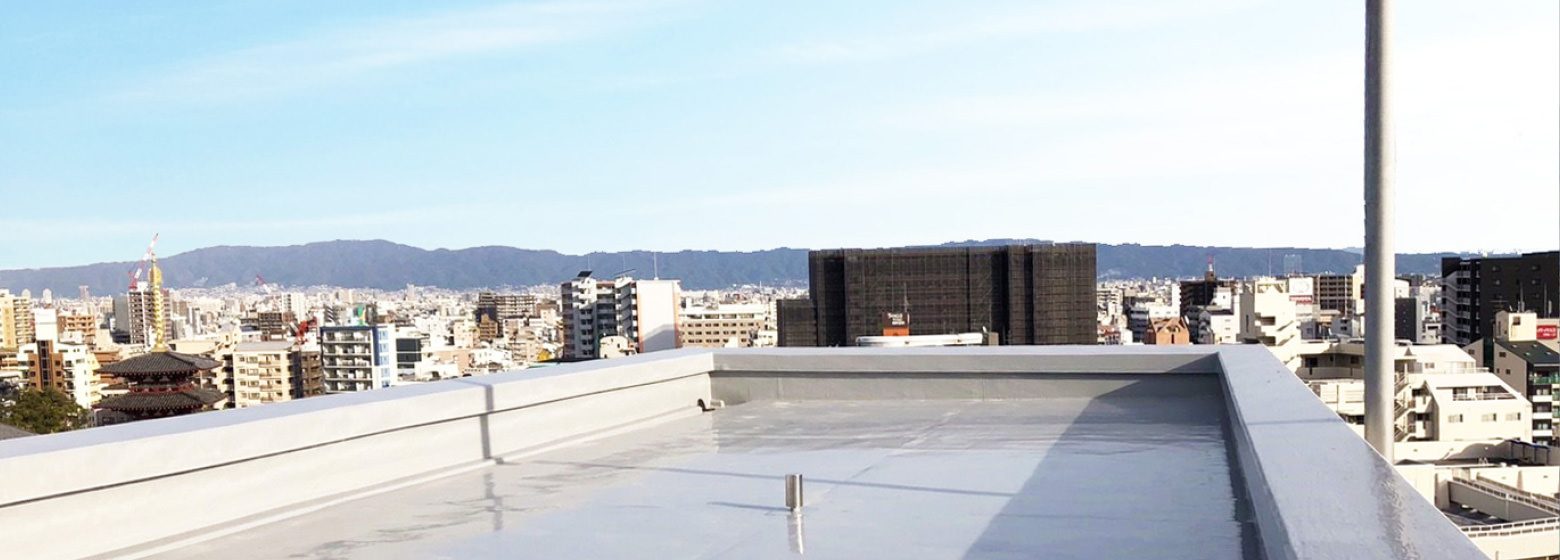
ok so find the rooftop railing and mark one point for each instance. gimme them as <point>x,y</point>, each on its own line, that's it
<point>1513,528</point>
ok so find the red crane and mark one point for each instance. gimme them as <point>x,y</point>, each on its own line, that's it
<point>135,275</point>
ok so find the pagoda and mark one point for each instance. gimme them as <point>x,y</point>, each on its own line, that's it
<point>162,383</point>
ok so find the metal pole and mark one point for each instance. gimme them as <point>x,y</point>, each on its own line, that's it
<point>793,492</point>
<point>1379,252</point>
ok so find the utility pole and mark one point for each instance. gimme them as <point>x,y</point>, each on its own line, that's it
<point>1379,251</point>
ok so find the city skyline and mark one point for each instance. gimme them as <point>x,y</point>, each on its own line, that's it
<point>484,123</point>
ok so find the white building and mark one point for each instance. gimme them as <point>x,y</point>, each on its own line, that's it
<point>1217,325</point>
<point>1144,313</point>
<point>1346,360</point>
<point>357,358</point>
<point>644,312</point>
<point>45,324</point>
<point>1439,407</point>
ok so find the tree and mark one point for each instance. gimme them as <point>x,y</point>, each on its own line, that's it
<point>44,411</point>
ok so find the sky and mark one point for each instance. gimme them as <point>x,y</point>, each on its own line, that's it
<point>685,124</point>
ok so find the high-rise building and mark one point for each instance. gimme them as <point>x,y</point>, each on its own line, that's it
<point>16,321</point>
<point>493,309</point>
<point>275,325</point>
<point>261,374</point>
<point>645,312</point>
<point>1343,293</point>
<point>1209,291</point>
<point>141,317</point>
<point>1473,290</point>
<point>357,358</point>
<point>1026,294</point>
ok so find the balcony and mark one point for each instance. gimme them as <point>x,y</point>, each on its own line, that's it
<point>1101,452</point>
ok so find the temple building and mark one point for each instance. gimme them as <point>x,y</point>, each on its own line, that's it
<point>162,383</point>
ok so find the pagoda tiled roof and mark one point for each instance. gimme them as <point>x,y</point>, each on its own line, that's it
<point>160,362</point>
<point>180,400</point>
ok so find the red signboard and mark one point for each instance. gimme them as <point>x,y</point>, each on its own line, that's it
<point>1548,332</point>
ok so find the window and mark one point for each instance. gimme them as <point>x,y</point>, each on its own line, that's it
<point>1512,416</point>
<point>1488,417</point>
<point>1452,419</point>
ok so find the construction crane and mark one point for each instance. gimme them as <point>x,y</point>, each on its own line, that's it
<point>270,292</point>
<point>301,334</point>
<point>135,275</point>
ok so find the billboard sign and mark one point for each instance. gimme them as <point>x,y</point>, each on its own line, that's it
<point>896,324</point>
<point>1548,332</point>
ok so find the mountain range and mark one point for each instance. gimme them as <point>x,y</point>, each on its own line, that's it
<point>386,265</point>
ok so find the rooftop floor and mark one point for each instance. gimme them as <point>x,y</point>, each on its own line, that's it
<point>1024,478</point>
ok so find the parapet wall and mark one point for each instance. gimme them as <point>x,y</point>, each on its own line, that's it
<point>108,489</point>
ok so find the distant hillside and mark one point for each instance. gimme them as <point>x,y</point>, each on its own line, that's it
<point>386,265</point>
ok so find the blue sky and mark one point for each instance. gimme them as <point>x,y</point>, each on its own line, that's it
<point>667,125</point>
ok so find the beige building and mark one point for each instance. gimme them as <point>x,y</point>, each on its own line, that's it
<point>261,374</point>
<point>78,327</point>
<point>16,321</point>
<point>732,325</point>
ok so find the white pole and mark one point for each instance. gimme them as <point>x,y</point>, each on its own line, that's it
<point>1379,252</point>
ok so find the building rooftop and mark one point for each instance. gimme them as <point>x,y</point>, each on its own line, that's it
<point>160,362</point>
<point>1533,352</point>
<point>265,346</point>
<point>985,452</point>
<point>883,479</point>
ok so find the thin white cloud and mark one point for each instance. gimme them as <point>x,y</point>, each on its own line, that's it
<point>327,224</point>
<point>1071,17</point>
<point>341,54</point>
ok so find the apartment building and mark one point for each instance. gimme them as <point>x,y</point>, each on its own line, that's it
<point>1473,406</point>
<point>731,325</point>
<point>68,368</point>
<point>1344,293</point>
<point>261,374</point>
<point>357,358</point>
<point>644,312</point>
<point>140,319</point>
<point>16,321</point>
<point>308,374</point>
<point>1473,290</point>
<point>1528,363</point>
<point>1269,318</point>
<point>1027,294</point>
